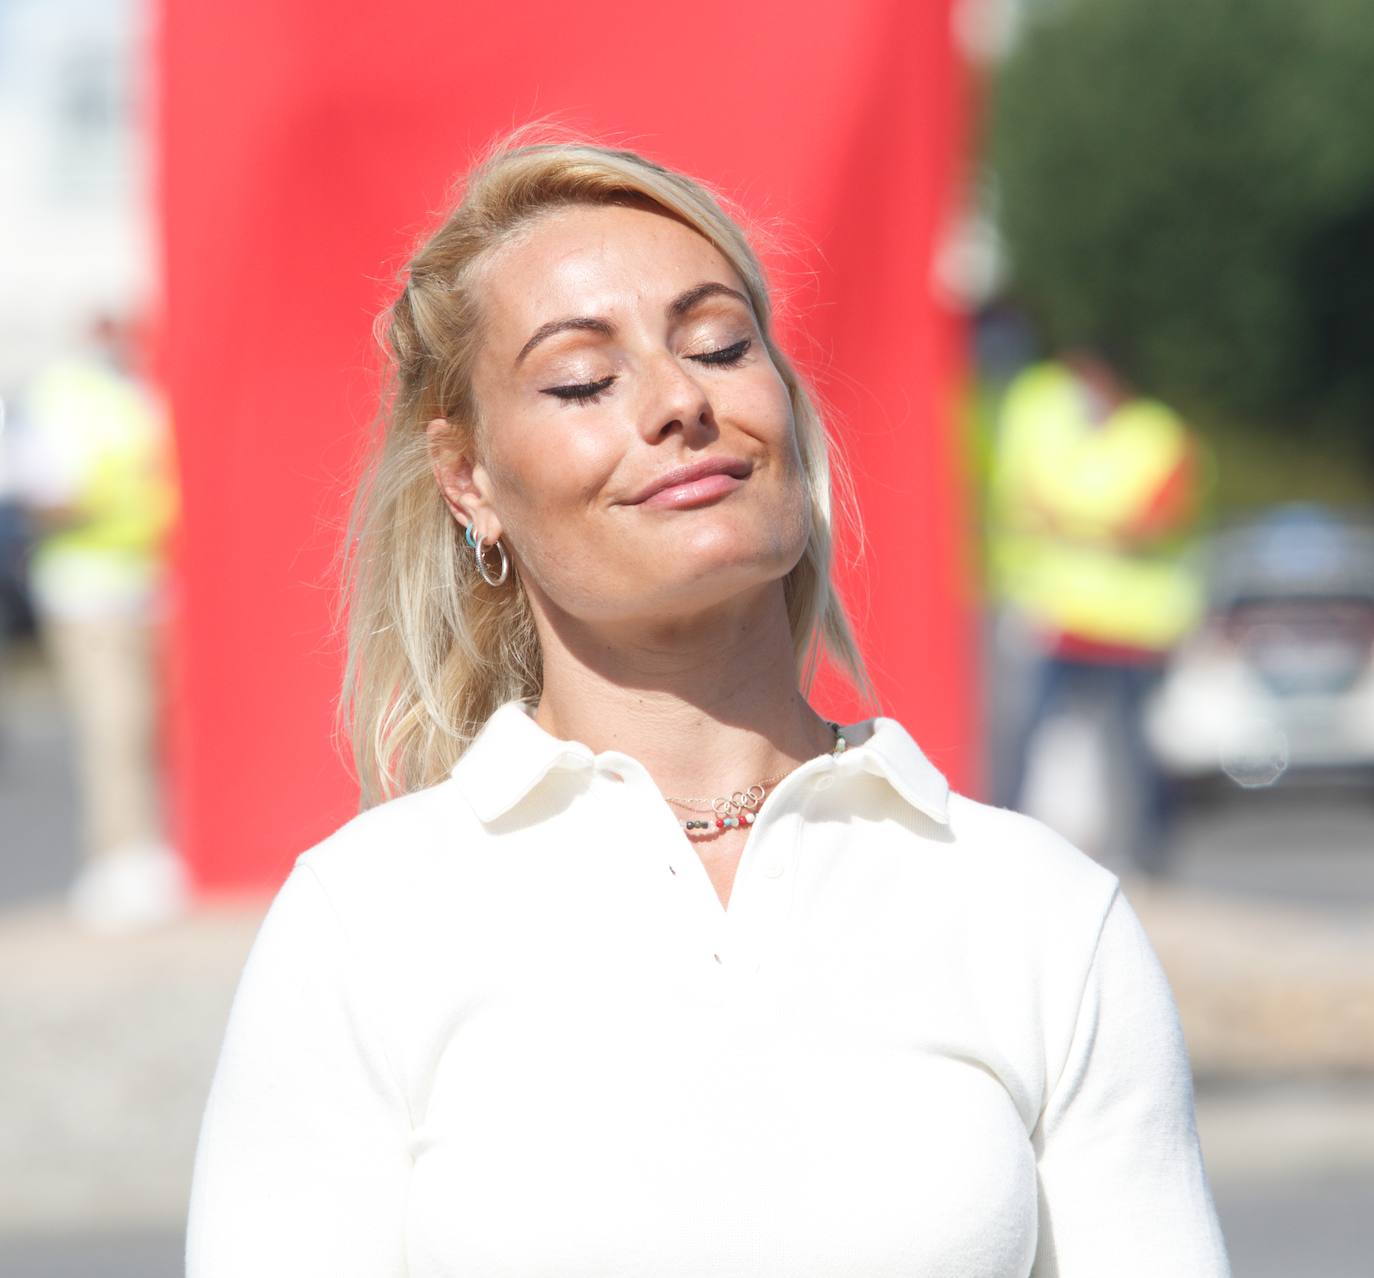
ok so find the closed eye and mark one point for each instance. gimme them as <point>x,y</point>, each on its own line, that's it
<point>584,392</point>
<point>590,392</point>
<point>728,355</point>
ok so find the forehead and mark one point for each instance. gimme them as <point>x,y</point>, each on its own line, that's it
<point>594,259</point>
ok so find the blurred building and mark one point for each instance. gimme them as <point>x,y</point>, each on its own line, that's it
<point>77,189</point>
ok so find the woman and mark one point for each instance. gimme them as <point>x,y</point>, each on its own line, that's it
<point>633,963</point>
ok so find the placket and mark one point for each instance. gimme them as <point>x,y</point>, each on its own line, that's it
<point>731,947</point>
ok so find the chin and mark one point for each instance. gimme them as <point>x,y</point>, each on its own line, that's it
<point>727,536</point>
<point>708,567</point>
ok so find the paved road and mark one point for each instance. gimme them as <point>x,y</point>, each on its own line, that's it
<point>131,1255</point>
<point>1310,844</point>
<point>1291,1163</point>
<point>38,820</point>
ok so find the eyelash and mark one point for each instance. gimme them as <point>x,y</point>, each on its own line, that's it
<point>590,392</point>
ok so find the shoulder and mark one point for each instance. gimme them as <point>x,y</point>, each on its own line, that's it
<point>1025,869</point>
<point>392,849</point>
<point>1020,844</point>
<point>1000,864</point>
<point>1031,914</point>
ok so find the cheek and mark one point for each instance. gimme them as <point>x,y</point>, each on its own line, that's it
<point>764,412</point>
<point>770,419</point>
<point>549,492</point>
<point>793,514</point>
<point>555,471</point>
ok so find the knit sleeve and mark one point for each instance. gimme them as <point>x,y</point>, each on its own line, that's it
<point>302,1165</point>
<point>1123,1190</point>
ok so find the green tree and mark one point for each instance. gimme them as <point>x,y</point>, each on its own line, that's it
<point>1189,184</point>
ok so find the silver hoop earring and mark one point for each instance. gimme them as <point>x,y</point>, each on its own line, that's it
<point>500,577</point>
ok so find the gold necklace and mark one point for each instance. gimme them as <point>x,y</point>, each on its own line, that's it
<point>741,807</point>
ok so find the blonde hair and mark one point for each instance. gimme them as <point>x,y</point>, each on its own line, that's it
<point>432,649</point>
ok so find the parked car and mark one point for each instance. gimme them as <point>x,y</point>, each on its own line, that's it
<point>1279,678</point>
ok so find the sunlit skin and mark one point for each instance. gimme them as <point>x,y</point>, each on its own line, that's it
<point>662,622</point>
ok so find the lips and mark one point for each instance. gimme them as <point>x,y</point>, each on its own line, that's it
<point>686,485</point>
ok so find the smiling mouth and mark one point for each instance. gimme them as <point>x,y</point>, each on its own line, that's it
<point>690,493</point>
<point>707,478</point>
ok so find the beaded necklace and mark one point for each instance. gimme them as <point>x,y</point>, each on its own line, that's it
<point>741,807</point>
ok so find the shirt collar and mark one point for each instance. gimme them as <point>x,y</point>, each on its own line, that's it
<point>512,754</point>
<point>509,757</point>
<point>891,752</point>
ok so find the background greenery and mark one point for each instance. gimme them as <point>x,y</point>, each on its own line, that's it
<point>1189,185</point>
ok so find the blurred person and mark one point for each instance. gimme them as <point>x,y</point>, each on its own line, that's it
<point>15,612</point>
<point>634,962</point>
<point>93,471</point>
<point>1094,492</point>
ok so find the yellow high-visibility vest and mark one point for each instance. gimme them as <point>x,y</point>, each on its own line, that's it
<point>1067,500</point>
<point>112,439</point>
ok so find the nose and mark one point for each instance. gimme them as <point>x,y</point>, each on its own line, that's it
<point>679,400</point>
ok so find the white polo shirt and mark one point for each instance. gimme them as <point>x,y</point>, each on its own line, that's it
<point>504,1027</point>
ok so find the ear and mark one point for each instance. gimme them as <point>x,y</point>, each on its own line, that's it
<point>465,485</point>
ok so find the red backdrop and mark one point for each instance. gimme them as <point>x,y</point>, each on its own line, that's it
<point>303,145</point>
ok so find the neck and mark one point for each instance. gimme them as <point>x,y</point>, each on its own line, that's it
<point>708,704</point>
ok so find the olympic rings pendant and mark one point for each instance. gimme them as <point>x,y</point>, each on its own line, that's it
<point>741,808</point>
<point>739,802</point>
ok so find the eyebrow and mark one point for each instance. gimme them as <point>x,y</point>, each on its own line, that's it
<point>675,309</point>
